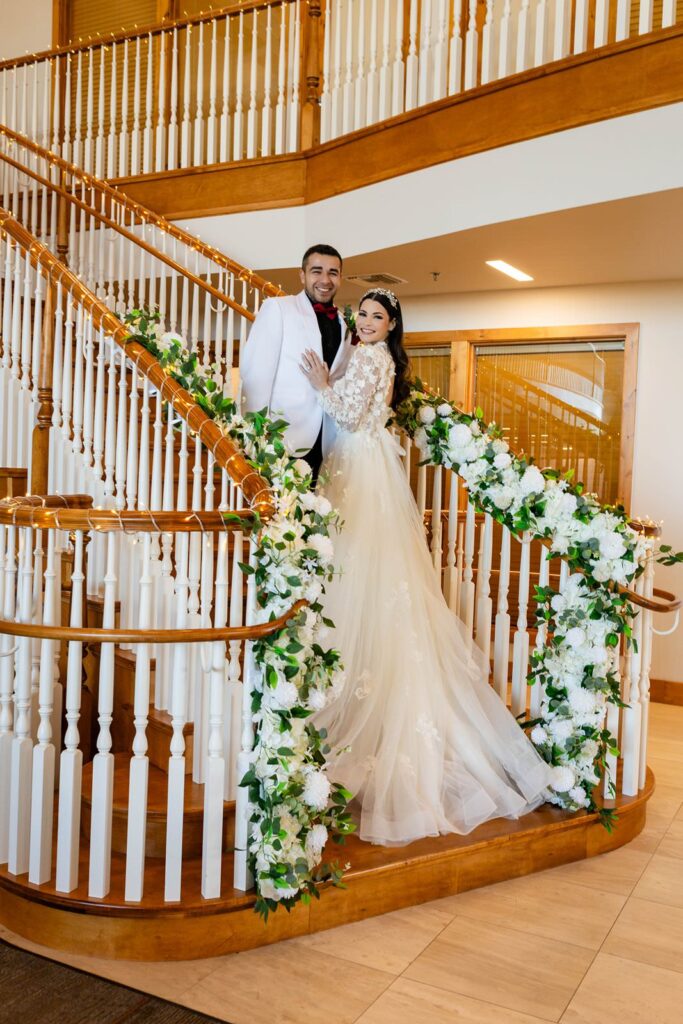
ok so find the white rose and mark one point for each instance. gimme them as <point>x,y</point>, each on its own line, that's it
<point>538,735</point>
<point>500,446</point>
<point>601,572</point>
<point>582,702</point>
<point>568,504</point>
<point>575,637</point>
<point>301,467</point>
<point>316,790</point>
<point>426,414</point>
<point>420,438</point>
<point>562,778</point>
<point>445,409</point>
<point>502,497</point>
<point>315,503</point>
<point>589,751</point>
<point>268,890</point>
<point>532,481</point>
<point>502,461</point>
<point>612,546</point>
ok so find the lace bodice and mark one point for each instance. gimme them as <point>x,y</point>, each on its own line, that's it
<point>359,401</point>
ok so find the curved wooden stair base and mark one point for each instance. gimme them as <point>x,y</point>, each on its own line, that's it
<point>379,879</point>
<point>157,792</point>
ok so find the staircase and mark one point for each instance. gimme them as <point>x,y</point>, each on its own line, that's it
<point>126,627</point>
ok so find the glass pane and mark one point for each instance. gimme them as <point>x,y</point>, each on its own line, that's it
<point>559,403</point>
<point>432,366</point>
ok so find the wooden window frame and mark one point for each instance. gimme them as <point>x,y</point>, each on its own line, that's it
<point>462,345</point>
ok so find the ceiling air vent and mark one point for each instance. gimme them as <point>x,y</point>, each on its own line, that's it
<point>375,280</point>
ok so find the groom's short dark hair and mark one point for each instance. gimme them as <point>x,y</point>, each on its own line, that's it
<point>323,249</point>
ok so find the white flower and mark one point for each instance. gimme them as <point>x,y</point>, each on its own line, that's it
<point>420,438</point>
<point>578,796</point>
<point>284,694</point>
<point>561,728</point>
<point>575,637</point>
<point>502,460</point>
<point>502,497</point>
<point>316,790</point>
<point>426,414</point>
<point>268,890</point>
<point>612,545</point>
<point>323,547</point>
<point>460,435</point>
<point>500,446</point>
<point>445,409</point>
<point>562,778</point>
<point>533,481</point>
<point>167,340</point>
<point>301,467</point>
<point>589,751</point>
<point>315,503</point>
<point>582,702</point>
<point>539,736</point>
<point>317,699</point>
<point>315,843</point>
<point>475,428</point>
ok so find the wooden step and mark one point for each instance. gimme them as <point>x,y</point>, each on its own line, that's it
<point>156,812</point>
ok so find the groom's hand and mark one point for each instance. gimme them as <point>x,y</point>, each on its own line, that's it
<point>315,370</point>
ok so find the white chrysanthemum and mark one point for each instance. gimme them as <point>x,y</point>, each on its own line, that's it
<point>459,436</point>
<point>445,409</point>
<point>316,790</point>
<point>502,497</point>
<point>322,545</point>
<point>561,728</point>
<point>582,702</point>
<point>284,695</point>
<point>538,735</point>
<point>589,750</point>
<point>315,844</point>
<point>315,502</point>
<point>426,414</point>
<point>502,460</point>
<point>317,699</point>
<point>577,795</point>
<point>562,778</point>
<point>500,446</point>
<point>420,438</point>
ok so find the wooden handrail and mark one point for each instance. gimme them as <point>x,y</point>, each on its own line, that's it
<point>233,9</point>
<point>125,233</point>
<point>228,456</point>
<point>144,214</point>
<point>84,634</point>
<point>38,515</point>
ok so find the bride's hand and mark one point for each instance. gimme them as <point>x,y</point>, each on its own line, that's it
<point>315,370</point>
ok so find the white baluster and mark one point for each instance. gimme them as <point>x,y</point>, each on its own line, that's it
<point>398,73</point>
<point>173,113</point>
<point>293,106</point>
<point>43,781</point>
<point>520,646</point>
<point>89,115</point>
<point>9,645</point>
<point>361,79</point>
<point>135,131</point>
<point>581,17</point>
<point>198,133</point>
<point>233,727</point>
<point>668,19</point>
<point>179,703</point>
<point>371,78</point>
<point>541,33</point>
<point>237,124</point>
<point>623,23</point>
<point>612,726</point>
<point>471,47</point>
<point>148,137</point>
<point>66,144</point>
<point>225,133</point>
<point>562,28</point>
<point>484,602</point>
<point>436,521</point>
<point>467,589</point>
<point>214,790</point>
<point>160,135</point>
<point>536,694</point>
<point>243,878</point>
<point>327,84</point>
<point>487,46</point>
<point>501,647</point>
<point>440,51</point>
<point>645,17</point>
<point>266,110</point>
<point>645,663</point>
<point>111,141</point>
<point>253,66</point>
<point>452,582</point>
<point>123,128</point>
<point>99,139</point>
<point>22,744</point>
<point>348,89</point>
<point>211,119</point>
<point>139,763</point>
<point>425,52</point>
<point>78,111</point>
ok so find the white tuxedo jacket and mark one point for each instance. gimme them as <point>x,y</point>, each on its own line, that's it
<point>270,369</point>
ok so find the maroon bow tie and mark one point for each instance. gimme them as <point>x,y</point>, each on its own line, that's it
<point>328,309</point>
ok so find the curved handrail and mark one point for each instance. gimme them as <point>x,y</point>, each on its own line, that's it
<point>228,456</point>
<point>149,636</point>
<point>244,7</point>
<point>146,216</point>
<point>24,513</point>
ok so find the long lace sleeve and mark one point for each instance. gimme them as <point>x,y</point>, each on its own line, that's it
<point>350,397</point>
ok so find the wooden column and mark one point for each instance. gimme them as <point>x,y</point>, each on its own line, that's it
<point>311,59</point>
<point>63,223</point>
<point>40,452</point>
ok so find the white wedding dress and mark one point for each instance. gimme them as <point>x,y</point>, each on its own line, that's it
<point>417,734</point>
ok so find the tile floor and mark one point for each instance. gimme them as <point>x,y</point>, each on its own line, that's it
<point>599,939</point>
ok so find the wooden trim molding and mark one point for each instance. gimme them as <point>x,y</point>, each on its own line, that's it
<point>666,691</point>
<point>626,77</point>
<point>463,342</point>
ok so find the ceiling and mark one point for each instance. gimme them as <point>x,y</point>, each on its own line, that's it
<point>634,239</point>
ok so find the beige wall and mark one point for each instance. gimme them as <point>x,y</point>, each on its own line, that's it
<point>658,463</point>
<point>25,28</point>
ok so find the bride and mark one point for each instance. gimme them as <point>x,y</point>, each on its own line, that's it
<point>418,734</point>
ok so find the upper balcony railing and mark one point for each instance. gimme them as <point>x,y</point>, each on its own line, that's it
<point>280,76</point>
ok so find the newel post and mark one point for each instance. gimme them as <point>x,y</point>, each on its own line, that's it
<point>62,221</point>
<point>40,444</point>
<point>311,59</point>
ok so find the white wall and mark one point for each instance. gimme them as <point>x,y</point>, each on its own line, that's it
<point>658,462</point>
<point>24,28</point>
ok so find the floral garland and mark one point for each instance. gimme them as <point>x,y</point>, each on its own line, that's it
<point>296,808</point>
<point>576,665</point>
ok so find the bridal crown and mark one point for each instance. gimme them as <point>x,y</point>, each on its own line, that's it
<point>385,292</point>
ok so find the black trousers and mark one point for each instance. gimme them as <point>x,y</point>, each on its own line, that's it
<point>314,458</point>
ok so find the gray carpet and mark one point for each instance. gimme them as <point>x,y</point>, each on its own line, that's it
<point>34,990</point>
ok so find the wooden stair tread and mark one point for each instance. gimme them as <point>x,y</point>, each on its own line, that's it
<point>157,787</point>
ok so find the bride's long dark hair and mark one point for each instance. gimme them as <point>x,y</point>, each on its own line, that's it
<point>394,342</point>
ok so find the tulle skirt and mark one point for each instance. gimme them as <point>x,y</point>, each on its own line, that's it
<point>417,734</point>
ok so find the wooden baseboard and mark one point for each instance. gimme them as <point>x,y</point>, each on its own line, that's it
<point>666,691</point>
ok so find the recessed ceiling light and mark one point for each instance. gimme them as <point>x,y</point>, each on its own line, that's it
<point>507,268</point>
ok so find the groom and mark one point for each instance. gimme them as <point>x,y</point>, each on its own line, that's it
<point>282,331</point>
